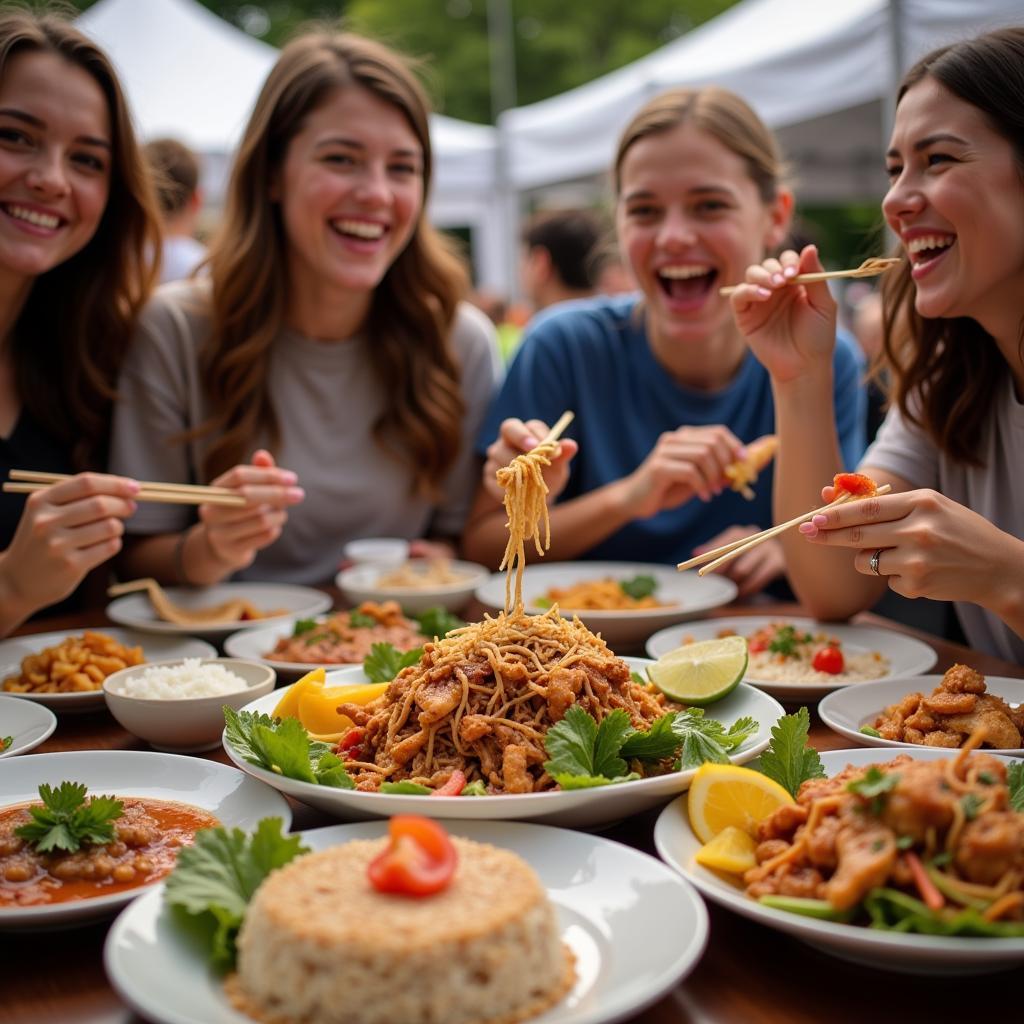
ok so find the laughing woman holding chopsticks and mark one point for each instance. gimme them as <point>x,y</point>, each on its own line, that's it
<point>952,445</point>
<point>77,220</point>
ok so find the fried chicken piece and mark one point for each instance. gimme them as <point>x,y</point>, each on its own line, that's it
<point>472,727</point>
<point>388,613</point>
<point>514,772</point>
<point>437,698</point>
<point>921,799</point>
<point>990,845</point>
<point>865,850</point>
<point>943,738</point>
<point>782,823</point>
<point>963,679</point>
<point>821,843</point>
<point>563,686</point>
<point>999,731</point>
<point>405,750</point>
<point>941,703</point>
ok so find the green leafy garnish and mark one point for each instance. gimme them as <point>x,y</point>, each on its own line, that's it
<point>385,661</point>
<point>639,587</point>
<point>786,641</point>
<point>303,626</point>
<point>658,742</point>
<point>360,620</point>
<point>585,754</point>
<point>707,739</point>
<point>284,747</point>
<point>638,679</point>
<point>1015,780</point>
<point>66,821</point>
<point>971,804</point>
<point>215,878</point>
<point>788,760</point>
<point>406,788</point>
<point>475,788</point>
<point>870,730</point>
<point>438,622</point>
<point>873,786</point>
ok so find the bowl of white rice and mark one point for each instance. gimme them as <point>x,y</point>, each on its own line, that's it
<point>178,705</point>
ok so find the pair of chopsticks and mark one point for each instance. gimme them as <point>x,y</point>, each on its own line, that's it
<point>171,494</point>
<point>869,268</point>
<point>727,552</point>
<point>556,431</point>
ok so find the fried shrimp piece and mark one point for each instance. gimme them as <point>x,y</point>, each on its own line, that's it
<point>865,852</point>
<point>990,846</point>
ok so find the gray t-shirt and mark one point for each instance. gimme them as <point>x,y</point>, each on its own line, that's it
<point>326,398</point>
<point>994,490</point>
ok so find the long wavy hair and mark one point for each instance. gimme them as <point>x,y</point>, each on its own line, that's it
<point>945,371</point>
<point>412,309</point>
<point>70,338</point>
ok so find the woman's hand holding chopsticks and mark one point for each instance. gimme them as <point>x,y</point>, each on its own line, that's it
<point>515,438</point>
<point>66,529</point>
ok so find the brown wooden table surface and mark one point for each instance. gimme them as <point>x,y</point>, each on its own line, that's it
<point>749,974</point>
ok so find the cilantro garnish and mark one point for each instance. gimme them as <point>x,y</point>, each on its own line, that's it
<point>66,821</point>
<point>385,661</point>
<point>639,587</point>
<point>971,804</point>
<point>707,739</point>
<point>583,753</point>
<point>303,626</point>
<point>786,641</point>
<point>438,622</point>
<point>215,878</point>
<point>873,786</point>
<point>788,760</point>
<point>360,620</point>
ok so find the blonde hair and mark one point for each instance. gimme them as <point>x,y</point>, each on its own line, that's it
<point>412,310</point>
<point>725,117</point>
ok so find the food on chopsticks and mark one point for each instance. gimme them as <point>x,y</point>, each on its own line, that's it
<point>956,709</point>
<point>605,595</point>
<point>781,652</point>
<point>847,486</point>
<point>422,574</point>
<point>514,704</point>
<point>348,637</point>
<point>70,848</point>
<point>744,472</point>
<point>413,926</point>
<point>871,267</point>
<point>237,609</point>
<point>78,664</point>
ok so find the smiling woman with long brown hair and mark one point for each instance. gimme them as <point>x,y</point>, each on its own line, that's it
<point>328,331</point>
<point>78,226</point>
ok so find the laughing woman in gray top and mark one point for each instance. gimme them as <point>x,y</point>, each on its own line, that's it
<point>328,332</point>
<point>952,446</point>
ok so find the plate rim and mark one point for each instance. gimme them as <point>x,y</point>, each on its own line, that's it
<point>47,717</point>
<point>828,933</point>
<point>679,962</point>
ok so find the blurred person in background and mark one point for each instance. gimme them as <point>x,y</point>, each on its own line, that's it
<point>866,321</point>
<point>78,239</point>
<point>560,250</point>
<point>325,368</point>
<point>176,174</point>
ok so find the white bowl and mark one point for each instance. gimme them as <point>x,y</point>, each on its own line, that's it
<point>359,584</point>
<point>188,724</point>
<point>379,551</point>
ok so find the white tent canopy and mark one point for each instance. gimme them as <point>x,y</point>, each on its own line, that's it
<point>821,72</point>
<point>192,76</point>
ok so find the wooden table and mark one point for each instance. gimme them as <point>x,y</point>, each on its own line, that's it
<point>749,974</point>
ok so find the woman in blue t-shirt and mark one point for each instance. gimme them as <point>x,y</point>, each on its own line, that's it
<point>666,392</point>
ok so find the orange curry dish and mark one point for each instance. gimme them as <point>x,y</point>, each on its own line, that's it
<point>146,838</point>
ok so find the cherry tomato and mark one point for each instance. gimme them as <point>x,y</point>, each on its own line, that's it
<point>419,861</point>
<point>828,659</point>
<point>757,646</point>
<point>453,787</point>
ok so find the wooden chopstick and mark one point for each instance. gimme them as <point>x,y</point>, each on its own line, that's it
<point>35,476</point>
<point>869,268</point>
<point>727,552</point>
<point>167,496</point>
<point>556,431</point>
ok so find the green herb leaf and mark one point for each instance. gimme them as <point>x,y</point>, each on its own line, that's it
<point>788,760</point>
<point>66,820</point>
<point>707,739</point>
<point>406,788</point>
<point>658,742</point>
<point>438,622</point>
<point>904,842</point>
<point>971,804</point>
<point>215,878</point>
<point>583,753</point>
<point>385,661</point>
<point>638,679</point>
<point>870,730</point>
<point>639,587</point>
<point>303,626</point>
<point>786,641</point>
<point>330,771</point>
<point>360,620</point>
<point>873,785</point>
<point>1015,780</point>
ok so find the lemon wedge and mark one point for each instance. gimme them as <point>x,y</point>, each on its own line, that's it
<point>702,673</point>
<point>288,705</point>
<point>731,850</point>
<point>723,795</point>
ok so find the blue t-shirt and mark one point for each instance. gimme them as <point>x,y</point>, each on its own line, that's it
<point>593,357</point>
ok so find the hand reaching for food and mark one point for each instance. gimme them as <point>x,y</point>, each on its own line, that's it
<point>755,569</point>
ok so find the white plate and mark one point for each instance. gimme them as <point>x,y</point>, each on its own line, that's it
<point>154,648</point>
<point>635,928</point>
<point>577,808</point>
<point>359,584</point>
<point>907,656</point>
<point>848,709</point>
<point>913,954</point>
<point>27,722</point>
<point>687,594</point>
<point>296,602</point>
<point>232,797</point>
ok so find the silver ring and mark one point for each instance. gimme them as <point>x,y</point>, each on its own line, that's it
<point>873,564</point>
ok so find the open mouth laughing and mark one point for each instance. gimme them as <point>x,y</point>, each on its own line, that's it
<point>924,249</point>
<point>687,283</point>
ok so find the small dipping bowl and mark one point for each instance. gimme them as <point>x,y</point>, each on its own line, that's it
<point>187,724</point>
<point>385,552</point>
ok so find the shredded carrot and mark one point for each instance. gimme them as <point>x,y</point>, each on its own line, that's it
<point>1010,901</point>
<point>933,899</point>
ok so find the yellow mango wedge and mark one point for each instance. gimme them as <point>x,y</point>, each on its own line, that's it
<point>288,705</point>
<point>318,705</point>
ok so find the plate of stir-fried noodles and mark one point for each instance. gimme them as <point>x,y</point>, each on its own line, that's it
<point>917,861</point>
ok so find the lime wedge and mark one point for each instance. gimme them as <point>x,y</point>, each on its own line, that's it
<point>701,673</point>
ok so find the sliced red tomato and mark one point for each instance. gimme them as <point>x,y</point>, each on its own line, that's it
<point>419,861</point>
<point>453,787</point>
<point>855,483</point>
<point>829,659</point>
